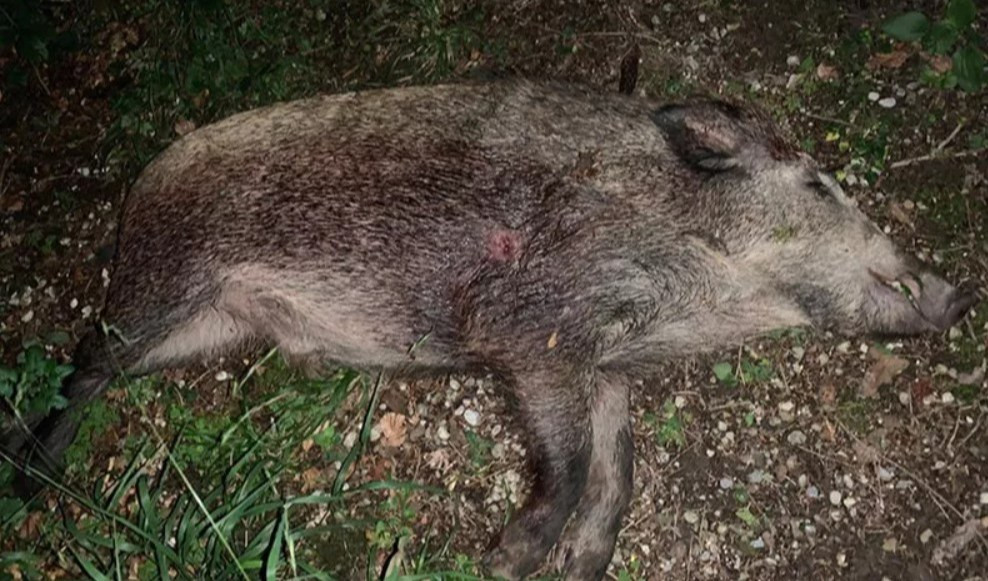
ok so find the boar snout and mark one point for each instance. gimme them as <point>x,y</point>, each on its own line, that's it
<point>924,301</point>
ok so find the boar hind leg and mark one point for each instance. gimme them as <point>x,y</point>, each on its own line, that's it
<point>588,543</point>
<point>553,409</point>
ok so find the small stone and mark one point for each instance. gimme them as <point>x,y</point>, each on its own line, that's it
<point>873,96</point>
<point>849,502</point>
<point>887,102</point>
<point>680,401</point>
<point>497,451</point>
<point>905,398</point>
<point>691,517</point>
<point>757,476</point>
<point>26,318</point>
<point>796,438</point>
<point>471,417</point>
<point>885,475</point>
<point>222,376</point>
<point>786,406</point>
<point>925,536</point>
<point>792,61</point>
<point>947,397</point>
<point>702,18</point>
<point>841,560</point>
<point>835,498</point>
<point>73,303</point>
<point>758,543</point>
<point>454,384</point>
<point>813,492</point>
<point>844,347</point>
<point>890,545</point>
<point>955,333</point>
<point>726,483</point>
<point>443,433</point>
<point>983,498</point>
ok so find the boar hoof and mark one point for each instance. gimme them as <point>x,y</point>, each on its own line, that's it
<point>510,560</point>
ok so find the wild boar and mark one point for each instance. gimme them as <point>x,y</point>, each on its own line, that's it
<point>566,240</point>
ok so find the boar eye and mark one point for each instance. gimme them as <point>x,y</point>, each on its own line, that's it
<point>820,188</point>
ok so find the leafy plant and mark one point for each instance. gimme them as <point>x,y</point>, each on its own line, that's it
<point>954,33</point>
<point>669,426</point>
<point>34,385</point>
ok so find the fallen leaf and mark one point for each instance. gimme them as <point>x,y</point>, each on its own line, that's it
<point>829,432</point>
<point>888,60</point>
<point>825,72</point>
<point>900,214</point>
<point>311,479</point>
<point>438,460</point>
<point>865,452</point>
<point>184,127</point>
<point>885,368</point>
<point>920,389</point>
<point>828,395</point>
<point>393,429</point>
<point>553,340</point>
<point>950,548</point>
<point>939,63</point>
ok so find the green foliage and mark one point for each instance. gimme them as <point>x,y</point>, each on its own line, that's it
<point>34,385</point>
<point>669,426</point>
<point>26,29</point>
<point>955,32</point>
<point>747,372</point>
<point>479,449</point>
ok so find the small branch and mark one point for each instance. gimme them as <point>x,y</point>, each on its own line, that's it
<point>932,156</point>
<point>827,119</point>
<point>950,137</point>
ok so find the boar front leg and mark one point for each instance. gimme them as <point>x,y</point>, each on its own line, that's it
<point>588,543</point>
<point>554,410</point>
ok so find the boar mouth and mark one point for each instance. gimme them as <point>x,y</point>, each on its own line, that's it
<point>935,309</point>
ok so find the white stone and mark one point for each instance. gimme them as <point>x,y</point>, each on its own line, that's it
<point>471,417</point>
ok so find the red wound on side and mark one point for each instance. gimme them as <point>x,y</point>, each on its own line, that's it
<point>504,245</point>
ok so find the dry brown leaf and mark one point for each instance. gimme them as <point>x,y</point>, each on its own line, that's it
<point>825,72</point>
<point>437,460</point>
<point>311,479</point>
<point>829,431</point>
<point>865,452</point>
<point>393,429</point>
<point>184,127</point>
<point>884,369</point>
<point>900,214</point>
<point>939,63</point>
<point>888,60</point>
<point>828,395</point>
<point>920,389</point>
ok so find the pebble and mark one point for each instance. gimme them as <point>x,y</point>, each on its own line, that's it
<point>726,483</point>
<point>983,498</point>
<point>691,517</point>
<point>813,492</point>
<point>222,376</point>
<point>849,502</point>
<point>680,401</point>
<point>925,536</point>
<point>947,397</point>
<point>835,498</point>
<point>26,318</point>
<point>497,451</point>
<point>887,102</point>
<point>844,347</point>
<point>905,398</point>
<point>756,476</point>
<point>885,475</point>
<point>471,417</point>
<point>873,96</point>
<point>758,543</point>
<point>796,438</point>
<point>787,406</point>
<point>443,433</point>
<point>792,61</point>
<point>955,333</point>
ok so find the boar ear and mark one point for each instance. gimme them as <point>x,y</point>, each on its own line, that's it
<point>705,134</point>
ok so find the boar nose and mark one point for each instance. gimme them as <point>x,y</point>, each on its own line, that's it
<point>959,303</point>
<point>942,304</point>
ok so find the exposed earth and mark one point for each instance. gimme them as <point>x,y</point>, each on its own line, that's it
<point>795,456</point>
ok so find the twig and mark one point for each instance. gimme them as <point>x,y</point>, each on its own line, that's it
<point>828,119</point>
<point>931,156</point>
<point>950,137</point>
